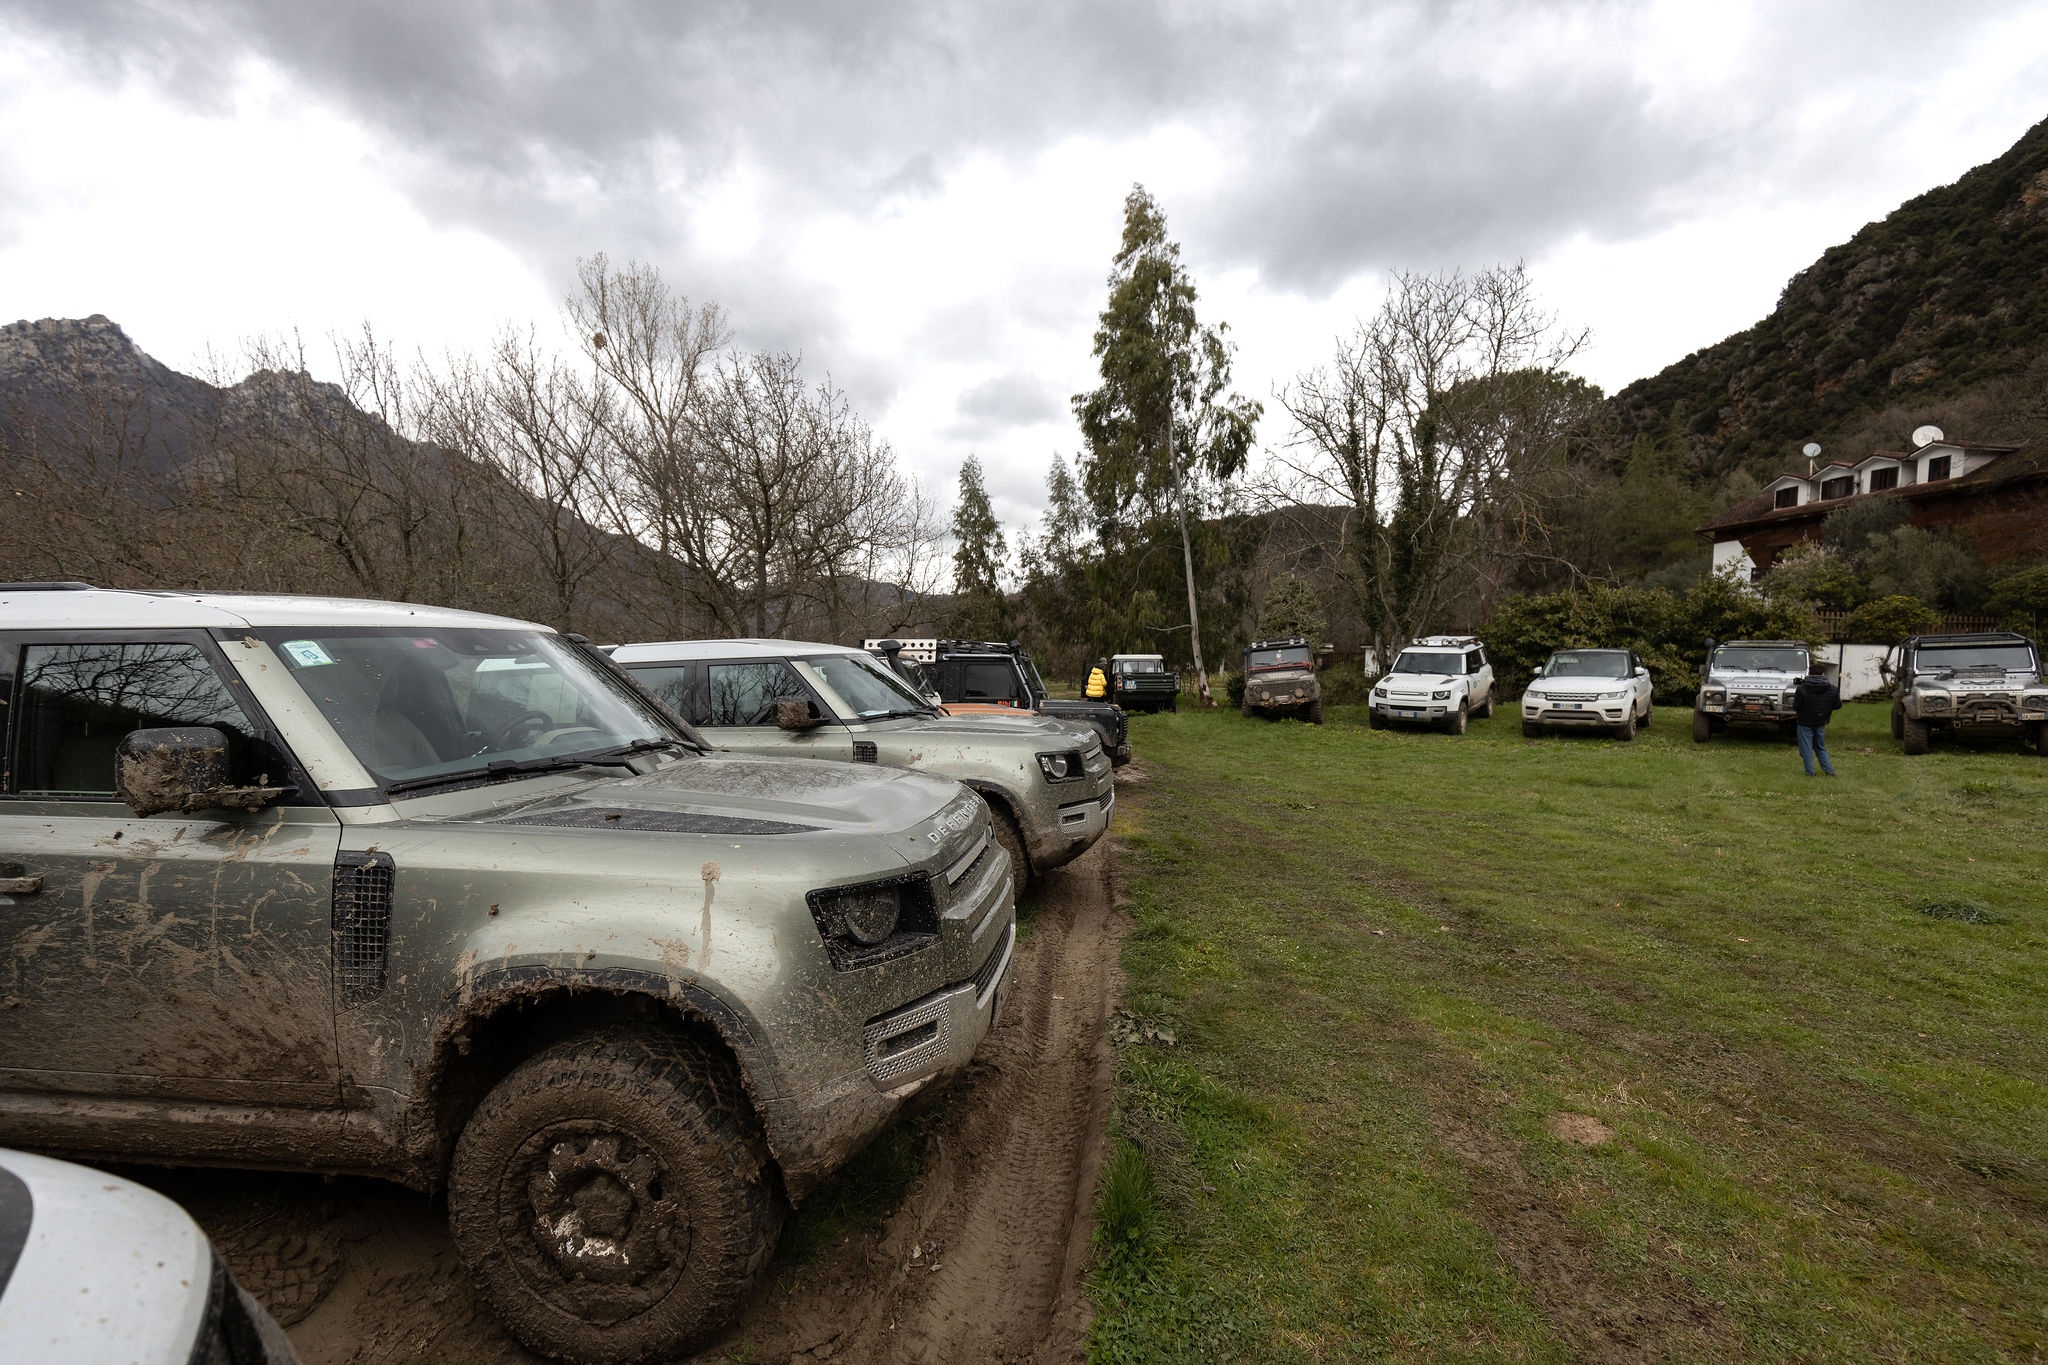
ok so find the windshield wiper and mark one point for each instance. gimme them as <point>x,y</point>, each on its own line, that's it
<point>648,745</point>
<point>500,768</point>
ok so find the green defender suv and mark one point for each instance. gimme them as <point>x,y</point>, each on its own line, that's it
<point>445,898</point>
<point>1047,782</point>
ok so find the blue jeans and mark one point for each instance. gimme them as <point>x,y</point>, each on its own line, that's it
<point>1813,743</point>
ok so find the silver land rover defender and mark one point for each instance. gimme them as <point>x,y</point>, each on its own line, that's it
<point>1989,685</point>
<point>1047,782</point>
<point>444,898</point>
<point>1748,683</point>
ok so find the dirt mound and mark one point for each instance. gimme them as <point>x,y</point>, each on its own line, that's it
<point>981,1261</point>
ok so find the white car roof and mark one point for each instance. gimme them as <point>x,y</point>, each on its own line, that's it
<point>124,609</point>
<point>679,651</point>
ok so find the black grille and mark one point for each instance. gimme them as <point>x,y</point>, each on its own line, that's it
<point>987,973</point>
<point>363,884</point>
<point>864,751</point>
<point>662,821</point>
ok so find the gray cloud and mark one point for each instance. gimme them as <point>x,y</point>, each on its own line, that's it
<point>1015,399</point>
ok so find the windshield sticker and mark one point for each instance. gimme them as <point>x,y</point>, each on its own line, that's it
<point>307,653</point>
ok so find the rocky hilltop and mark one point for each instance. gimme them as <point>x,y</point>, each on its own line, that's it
<point>1945,295</point>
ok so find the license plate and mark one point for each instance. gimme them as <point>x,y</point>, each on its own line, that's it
<point>1575,705</point>
<point>1409,715</point>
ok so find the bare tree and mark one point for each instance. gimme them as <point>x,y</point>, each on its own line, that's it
<point>1426,428</point>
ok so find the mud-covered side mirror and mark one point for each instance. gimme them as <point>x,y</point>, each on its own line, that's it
<point>182,768</point>
<point>797,713</point>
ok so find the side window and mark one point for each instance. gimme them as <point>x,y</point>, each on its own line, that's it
<point>745,693</point>
<point>77,701</point>
<point>995,680</point>
<point>1475,661</point>
<point>670,684</point>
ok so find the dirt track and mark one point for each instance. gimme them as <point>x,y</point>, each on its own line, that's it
<point>982,1259</point>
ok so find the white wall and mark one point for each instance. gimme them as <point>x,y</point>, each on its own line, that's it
<point>1856,667</point>
<point>1729,554</point>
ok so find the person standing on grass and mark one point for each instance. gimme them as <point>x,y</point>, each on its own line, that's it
<point>1813,701</point>
<point>1098,680</point>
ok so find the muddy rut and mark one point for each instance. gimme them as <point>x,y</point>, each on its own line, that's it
<point>981,1261</point>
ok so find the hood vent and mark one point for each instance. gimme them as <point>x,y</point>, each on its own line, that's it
<point>363,884</point>
<point>654,821</point>
<point>864,751</point>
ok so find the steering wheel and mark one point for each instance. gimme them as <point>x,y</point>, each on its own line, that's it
<point>519,722</point>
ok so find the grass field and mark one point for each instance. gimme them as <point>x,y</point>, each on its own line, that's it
<point>1567,1049</point>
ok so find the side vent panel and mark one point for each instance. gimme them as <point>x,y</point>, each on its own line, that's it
<point>864,751</point>
<point>363,884</point>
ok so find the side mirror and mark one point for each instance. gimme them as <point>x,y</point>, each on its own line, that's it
<point>796,713</point>
<point>1538,673</point>
<point>183,768</point>
<point>1641,672</point>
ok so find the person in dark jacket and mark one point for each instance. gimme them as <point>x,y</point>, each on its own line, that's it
<point>1814,700</point>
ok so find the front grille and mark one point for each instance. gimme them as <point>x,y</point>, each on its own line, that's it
<point>904,1042</point>
<point>363,886</point>
<point>656,821</point>
<point>986,975</point>
<point>1571,696</point>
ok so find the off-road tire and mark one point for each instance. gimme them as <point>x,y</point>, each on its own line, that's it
<point>1314,713</point>
<point>1485,711</point>
<point>1007,835</point>
<point>1246,708</point>
<point>1898,720</point>
<point>1458,723</point>
<point>623,1136</point>
<point>1913,735</point>
<point>1702,728</point>
<point>2040,743</point>
<point>1626,731</point>
<point>1174,705</point>
<point>1645,721</point>
<point>1373,719</point>
<point>1531,730</point>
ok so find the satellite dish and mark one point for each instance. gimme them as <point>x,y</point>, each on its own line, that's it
<point>1810,449</point>
<point>1926,436</point>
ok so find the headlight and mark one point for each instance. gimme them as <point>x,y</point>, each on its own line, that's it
<point>1060,767</point>
<point>867,915</point>
<point>1714,694</point>
<point>1616,696</point>
<point>1440,696</point>
<point>1379,694</point>
<point>1935,701</point>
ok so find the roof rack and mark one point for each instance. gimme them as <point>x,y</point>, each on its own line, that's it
<point>1981,637</point>
<point>55,585</point>
<point>1446,641</point>
<point>1289,642</point>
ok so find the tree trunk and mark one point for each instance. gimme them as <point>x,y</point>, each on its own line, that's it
<point>1187,558</point>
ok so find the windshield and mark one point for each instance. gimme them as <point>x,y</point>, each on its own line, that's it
<point>1587,663</point>
<point>1295,656</point>
<point>865,688</point>
<point>1752,659</point>
<point>413,703</point>
<point>1956,658</point>
<point>1423,661</point>
<point>1139,665</point>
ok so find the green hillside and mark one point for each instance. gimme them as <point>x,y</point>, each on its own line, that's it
<point>1945,296</point>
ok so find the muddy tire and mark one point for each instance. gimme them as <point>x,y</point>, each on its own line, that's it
<point>614,1196</point>
<point>1645,721</point>
<point>1373,719</point>
<point>1626,731</point>
<point>1531,730</point>
<point>2039,738</point>
<point>1246,708</point>
<point>1485,711</point>
<point>1458,724</point>
<point>1914,734</point>
<point>1898,720</point>
<point>1004,828</point>
<point>1702,728</point>
<point>1314,712</point>
<point>1174,705</point>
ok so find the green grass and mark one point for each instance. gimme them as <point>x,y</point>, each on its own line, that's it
<point>1813,1014</point>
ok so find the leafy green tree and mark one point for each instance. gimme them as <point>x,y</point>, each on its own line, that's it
<point>1910,561</point>
<point>2021,598</point>
<point>979,558</point>
<point>1161,425</point>
<point>1888,620</point>
<point>1815,573</point>
<point>1292,608</point>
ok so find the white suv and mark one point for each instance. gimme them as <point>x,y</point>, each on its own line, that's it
<point>1589,688</point>
<point>1439,680</point>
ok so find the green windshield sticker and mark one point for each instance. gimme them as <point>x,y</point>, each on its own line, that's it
<point>307,653</point>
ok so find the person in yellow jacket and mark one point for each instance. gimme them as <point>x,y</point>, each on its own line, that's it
<point>1098,680</point>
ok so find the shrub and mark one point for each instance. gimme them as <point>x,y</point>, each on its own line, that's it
<point>1233,687</point>
<point>2021,599</point>
<point>1889,620</point>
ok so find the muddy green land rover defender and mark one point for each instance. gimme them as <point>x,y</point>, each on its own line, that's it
<point>440,897</point>
<point>1280,680</point>
<point>1143,682</point>
<point>1988,685</point>
<point>1748,683</point>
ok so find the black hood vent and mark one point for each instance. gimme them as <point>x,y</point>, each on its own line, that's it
<point>864,751</point>
<point>654,821</point>
<point>363,885</point>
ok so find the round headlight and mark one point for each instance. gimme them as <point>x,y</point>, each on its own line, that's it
<point>869,916</point>
<point>1056,766</point>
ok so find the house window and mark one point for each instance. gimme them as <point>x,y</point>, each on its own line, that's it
<point>1937,468</point>
<point>1787,497</point>
<point>1881,479</point>
<point>1837,488</point>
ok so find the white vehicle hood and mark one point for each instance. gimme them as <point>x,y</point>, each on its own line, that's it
<point>1413,681</point>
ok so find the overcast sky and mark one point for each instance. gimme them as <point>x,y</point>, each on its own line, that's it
<point>923,199</point>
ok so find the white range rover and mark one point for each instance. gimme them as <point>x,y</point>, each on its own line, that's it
<point>1608,689</point>
<point>1439,680</point>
